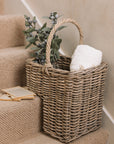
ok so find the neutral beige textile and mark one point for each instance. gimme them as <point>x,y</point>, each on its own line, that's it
<point>12,66</point>
<point>11,31</point>
<point>1,7</point>
<point>98,137</point>
<point>19,120</point>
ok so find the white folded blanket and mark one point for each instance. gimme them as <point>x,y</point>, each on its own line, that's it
<point>85,57</point>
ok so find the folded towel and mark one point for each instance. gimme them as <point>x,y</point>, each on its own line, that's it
<point>85,57</point>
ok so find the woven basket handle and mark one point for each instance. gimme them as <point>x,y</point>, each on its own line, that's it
<point>48,63</point>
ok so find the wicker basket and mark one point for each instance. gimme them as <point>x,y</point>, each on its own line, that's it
<point>72,101</point>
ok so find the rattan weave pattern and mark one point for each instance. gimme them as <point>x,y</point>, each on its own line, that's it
<point>72,101</point>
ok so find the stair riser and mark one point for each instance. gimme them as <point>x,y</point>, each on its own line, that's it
<point>19,120</point>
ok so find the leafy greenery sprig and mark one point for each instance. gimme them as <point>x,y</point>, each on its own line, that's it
<point>38,38</point>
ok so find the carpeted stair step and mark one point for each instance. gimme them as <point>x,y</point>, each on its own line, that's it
<point>19,120</point>
<point>98,137</point>
<point>12,51</point>
<point>11,31</point>
<point>12,66</point>
<point>1,7</point>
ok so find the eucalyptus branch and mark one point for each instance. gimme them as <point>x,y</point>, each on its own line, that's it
<point>38,38</point>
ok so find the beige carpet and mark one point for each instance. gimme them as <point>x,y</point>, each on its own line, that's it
<point>98,137</point>
<point>11,31</point>
<point>12,66</point>
<point>12,51</point>
<point>19,120</point>
<point>1,7</point>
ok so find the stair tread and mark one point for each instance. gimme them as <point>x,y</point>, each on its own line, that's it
<point>12,66</point>
<point>1,7</point>
<point>11,30</point>
<point>19,119</point>
<point>99,136</point>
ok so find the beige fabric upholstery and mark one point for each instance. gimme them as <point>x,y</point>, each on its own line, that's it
<point>19,120</point>
<point>11,31</point>
<point>1,7</point>
<point>12,66</point>
<point>98,137</point>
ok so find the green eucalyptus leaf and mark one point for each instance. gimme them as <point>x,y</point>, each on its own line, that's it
<point>26,23</point>
<point>28,45</point>
<point>46,29</point>
<point>31,39</point>
<point>44,25</point>
<point>35,36</point>
<point>53,44</point>
<point>42,37</point>
<point>30,30</point>
<point>26,17</point>
<point>32,54</point>
<point>38,52</point>
<point>56,43</point>
<point>34,20</point>
<point>54,13</point>
<point>57,55</point>
<point>35,48</point>
<point>60,28</point>
<point>24,32</point>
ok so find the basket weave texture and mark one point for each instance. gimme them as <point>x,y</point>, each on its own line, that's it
<point>72,101</point>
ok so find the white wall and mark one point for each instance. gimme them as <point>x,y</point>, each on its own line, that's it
<point>15,7</point>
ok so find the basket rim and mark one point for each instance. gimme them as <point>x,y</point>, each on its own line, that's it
<point>84,71</point>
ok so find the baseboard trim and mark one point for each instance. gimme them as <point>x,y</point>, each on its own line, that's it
<point>31,11</point>
<point>108,114</point>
